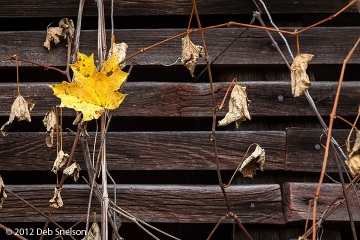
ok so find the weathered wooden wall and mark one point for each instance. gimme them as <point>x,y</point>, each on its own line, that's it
<point>159,148</point>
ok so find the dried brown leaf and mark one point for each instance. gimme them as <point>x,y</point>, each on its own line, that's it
<point>353,160</point>
<point>65,28</point>
<point>59,161</point>
<point>190,54</point>
<point>299,79</point>
<point>73,170</point>
<point>94,232</point>
<point>254,162</point>
<point>56,201</point>
<point>67,25</point>
<point>121,49</point>
<point>238,107</point>
<point>19,110</point>
<point>2,192</point>
<point>50,124</point>
<point>52,34</point>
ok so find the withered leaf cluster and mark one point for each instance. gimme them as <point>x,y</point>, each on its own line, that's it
<point>2,192</point>
<point>190,54</point>
<point>353,160</point>
<point>254,162</point>
<point>65,29</point>
<point>299,79</point>
<point>238,107</point>
<point>20,110</point>
<point>94,232</point>
<point>56,201</point>
<point>49,122</point>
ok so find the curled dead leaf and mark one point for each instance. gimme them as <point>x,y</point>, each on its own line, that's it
<point>190,54</point>
<point>20,110</point>
<point>50,123</point>
<point>94,232</point>
<point>73,170</point>
<point>353,160</point>
<point>2,192</point>
<point>52,34</point>
<point>56,201</point>
<point>299,79</point>
<point>67,25</point>
<point>120,49</point>
<point>254,162</point>
<point>60,160</point>
<point>238,107</point>
<point>65,28</point>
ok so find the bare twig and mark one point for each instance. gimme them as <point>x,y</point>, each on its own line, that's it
<point>63,177</point>
<point>75,47</point>
<point>332,206</point>
<point>328,140</point>
<point>37,210</point>
<point>215,109</point>
<point>312,104</point>
<point>216,226</point>
<point>346,197</point>
<point>229,24</point>
<point>9,231</point>
<point>238,167</point>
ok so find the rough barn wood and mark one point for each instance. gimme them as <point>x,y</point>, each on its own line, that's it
<point>159,149</point>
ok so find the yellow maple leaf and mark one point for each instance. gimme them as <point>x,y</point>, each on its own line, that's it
<point>93,91</point>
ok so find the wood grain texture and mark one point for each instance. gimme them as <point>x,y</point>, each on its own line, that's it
<point>297,195</point>
<point>252,48</point>
<point>148,150</point>
<point>52,8</point>
<point>156,99</point>
<point>154,203</point>
<point>305,151</point>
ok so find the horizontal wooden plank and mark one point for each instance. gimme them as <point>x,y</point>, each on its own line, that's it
<point>148,150</point>
<point>305,151</point>
<point>252,48</point>
<point>297,195</point>
<point>51,8</point>
<point>153,203</point>
<point>155,99</point>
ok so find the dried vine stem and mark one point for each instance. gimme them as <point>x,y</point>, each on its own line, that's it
<point>101,57</point>
<point>229,24</point>
<point>332,207</point>
<point>328,140</point>
<point>213,136</point>
<point>238,167</point>
<point>37,210</point>
<point>334,144</point>
<point>9,231</point>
